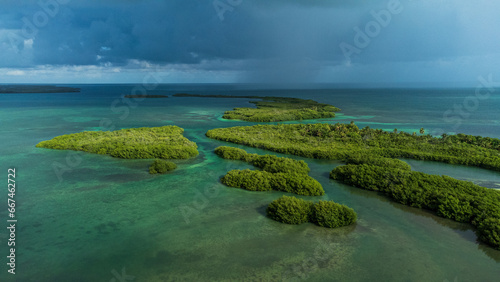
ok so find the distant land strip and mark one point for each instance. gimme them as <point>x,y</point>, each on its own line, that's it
<point>220,96</point>
<point>274,109</point>
<point>22,89</point>
<point>146,96</point>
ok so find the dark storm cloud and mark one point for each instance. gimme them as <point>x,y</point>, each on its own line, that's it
<point>95,32</point>
<point>159,32</point>
<point>270,40</point>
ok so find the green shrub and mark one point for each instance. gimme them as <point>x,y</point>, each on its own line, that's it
<point>292,210</point>
<point>256,180</point>
<point>358,158</point>
<point>330,214</point>
<point>231,153</point>
<point>267,163</point>
<point>299,184</point>
<point>282,174</point>
<point>275,164</point>
<point>161,166</point>
<point>253,180</point>
<point>289,210</point>
<point>489,231</point>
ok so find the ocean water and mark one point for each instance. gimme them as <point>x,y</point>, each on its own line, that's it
<point>84,217</point>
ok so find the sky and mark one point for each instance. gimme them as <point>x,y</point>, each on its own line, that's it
<point>250,41</point>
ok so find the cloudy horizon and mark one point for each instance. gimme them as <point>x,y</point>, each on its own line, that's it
<point>241,41</point>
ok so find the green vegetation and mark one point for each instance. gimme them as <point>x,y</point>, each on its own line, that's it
<point>146,96</point>
<point>161,166</point>
<point>4,89</point>
<point>459,200</point>
<point>256,180</point>
<point>276,164</point>
<point>281,174</point>
<point>347,142</point>
<point>267,163</point>
<point>252,180</point>
<point>275,109</point>
<point>282,109</point>
<point>370,155</point>
<point>290,210</point>
<point>231,153</point>
<point>164,142</point>
<point>329,214</point>
<point>375,160</point>
<point>287,175</point>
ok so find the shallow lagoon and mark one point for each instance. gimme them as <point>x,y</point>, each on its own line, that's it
<point>109,214</point>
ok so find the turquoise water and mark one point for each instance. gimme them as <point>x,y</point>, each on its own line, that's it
<point>97,217</point>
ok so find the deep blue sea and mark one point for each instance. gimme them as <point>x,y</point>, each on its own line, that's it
<point>85,217</point>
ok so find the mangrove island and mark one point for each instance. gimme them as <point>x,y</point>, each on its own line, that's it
<point>274,109</point>
<point>370,155</point>
<point>166,142</point>
<point>292,210</point>
<point>161,166</point>
<point>281,174</point>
